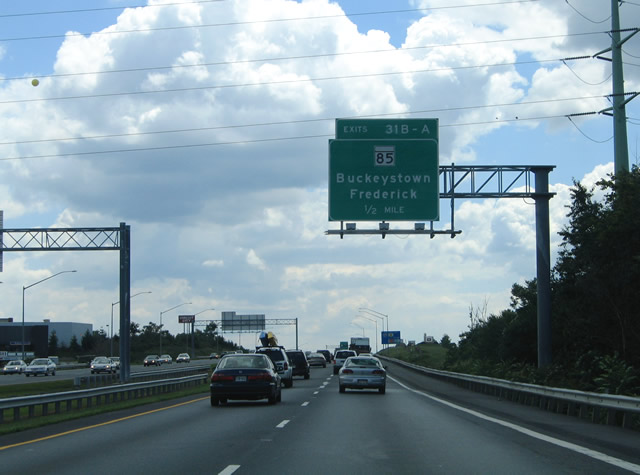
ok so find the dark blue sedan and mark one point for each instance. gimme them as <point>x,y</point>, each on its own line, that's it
<point>245,377</point>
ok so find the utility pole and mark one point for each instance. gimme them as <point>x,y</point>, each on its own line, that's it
<point>618,111</point>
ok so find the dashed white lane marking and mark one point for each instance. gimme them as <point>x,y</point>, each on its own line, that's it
<point>229,470</point>
<point>536,435</point>
<point>306,403</point>
<point>316,392</point>
<point>282,424</point>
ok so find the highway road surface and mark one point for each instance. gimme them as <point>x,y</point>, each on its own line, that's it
<point>419,426</point>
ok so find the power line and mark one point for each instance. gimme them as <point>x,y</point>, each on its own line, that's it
<point>252,22</point>
<point>271,83</point>
<point>323,55</point>
<point>302,121</point>
<point>588,83</point>
<point>585,135</point>
<point>123,7</point>
<point>270,139</point>
<point>585,17</point>
<point>101,9</point>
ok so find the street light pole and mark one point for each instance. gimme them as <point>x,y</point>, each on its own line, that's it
<point>113,305</point>
<point>376,322</point>
<point>381,318</point>
<point>25,287</point>
<point>193,343</point>
<point>372,312</point>
<point>165,311</point>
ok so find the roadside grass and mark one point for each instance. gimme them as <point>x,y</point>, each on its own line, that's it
<point>425,354</point>
<point>39,421</point>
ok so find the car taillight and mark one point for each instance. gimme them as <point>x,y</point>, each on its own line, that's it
<point>221,377</point>
<point>378,371</point>
<point>333,361</point>
<point>347,371</point>
<point>286,366</point>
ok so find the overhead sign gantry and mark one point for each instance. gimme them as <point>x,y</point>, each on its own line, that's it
<point>368,153</point>
<point>83,239</point>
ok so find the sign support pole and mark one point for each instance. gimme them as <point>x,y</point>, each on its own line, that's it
<point>543,266</point>
<point>125,309</point>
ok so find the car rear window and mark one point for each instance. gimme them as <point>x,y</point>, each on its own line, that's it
<point>231,362</point>
<point>361,362</point>
<point>344,354</point>
<point>275,355</point>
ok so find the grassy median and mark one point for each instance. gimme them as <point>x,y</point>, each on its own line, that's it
<point>48,387</point>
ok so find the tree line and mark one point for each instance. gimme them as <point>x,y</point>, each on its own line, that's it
<point>144,340</point>
<point>595,287</point>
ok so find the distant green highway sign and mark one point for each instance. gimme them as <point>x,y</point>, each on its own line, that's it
<point>383,179</point>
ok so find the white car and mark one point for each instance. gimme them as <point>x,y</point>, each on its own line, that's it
<point>340,357</point>
<point>40,366</point>
<point>116,362</point>
<point>14,367</point>
<point>166,359</point>
<point>183,358</point>
<point>102,364</point>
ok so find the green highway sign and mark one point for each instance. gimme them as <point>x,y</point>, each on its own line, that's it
<point>383,180</point>
<point>356,129</point>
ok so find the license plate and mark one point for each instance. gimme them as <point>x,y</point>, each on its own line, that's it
<point>241,379</point>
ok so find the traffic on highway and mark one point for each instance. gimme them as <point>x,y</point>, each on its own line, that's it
<point>418,425</point>
<point>339,423</point>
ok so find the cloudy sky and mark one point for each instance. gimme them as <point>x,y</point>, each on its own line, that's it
<point>204,125</point>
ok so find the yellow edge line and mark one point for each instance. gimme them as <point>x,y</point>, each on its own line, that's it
<point>100,425</point>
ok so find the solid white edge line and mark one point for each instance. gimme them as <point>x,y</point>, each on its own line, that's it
<point>229,470</point>
<point>282,424</point>
<point>537,435</point>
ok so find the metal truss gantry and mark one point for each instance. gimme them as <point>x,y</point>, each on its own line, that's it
<point>487,181</point>
<point>83,239</point>
<point>273,322</point>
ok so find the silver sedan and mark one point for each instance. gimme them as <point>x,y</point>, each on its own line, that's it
<point>362,372</point>
<point>40,366</point>
<point>102,364</point>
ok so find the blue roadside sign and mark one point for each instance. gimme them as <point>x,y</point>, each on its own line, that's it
<point>391,338</point>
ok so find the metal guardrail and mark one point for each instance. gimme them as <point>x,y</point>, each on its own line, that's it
<point>46,404</point>
<point>94,380</point>
<point>598,407</point>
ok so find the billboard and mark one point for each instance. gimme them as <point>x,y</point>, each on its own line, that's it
<point>186,318</point>
<point>231,322</point>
